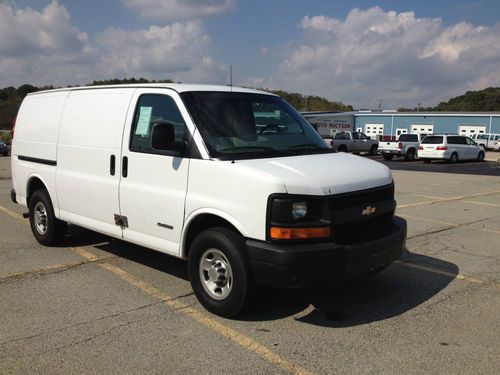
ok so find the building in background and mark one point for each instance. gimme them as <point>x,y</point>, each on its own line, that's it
<point>385,125</point>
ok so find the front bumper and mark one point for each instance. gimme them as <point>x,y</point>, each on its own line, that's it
<point>301,265</point>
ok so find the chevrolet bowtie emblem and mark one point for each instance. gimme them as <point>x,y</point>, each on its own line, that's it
<point>368,211</point>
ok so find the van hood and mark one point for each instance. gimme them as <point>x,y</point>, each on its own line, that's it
<point>321,174</point>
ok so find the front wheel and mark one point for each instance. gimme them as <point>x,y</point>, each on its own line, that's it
<point>46,228</point>
<point>373,150</point>
<point>480,156</point>
<point>219,271</point>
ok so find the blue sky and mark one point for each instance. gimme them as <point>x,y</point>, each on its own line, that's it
<point>357,52</point>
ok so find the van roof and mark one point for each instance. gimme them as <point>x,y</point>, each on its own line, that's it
<point>179,87</point>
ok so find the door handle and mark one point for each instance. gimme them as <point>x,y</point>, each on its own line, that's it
<point>124,166</point>
<point>112,161</point>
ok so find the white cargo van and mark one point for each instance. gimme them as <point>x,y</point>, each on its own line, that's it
<point>231,179</point>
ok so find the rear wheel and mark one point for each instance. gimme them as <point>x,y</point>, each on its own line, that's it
<point>388,157</point>
<point>47,229</point>
<point>410,155</point>
<point>219,271</point>
<point>453,158</point>
<point>480,156</point>
<point>342,148</point>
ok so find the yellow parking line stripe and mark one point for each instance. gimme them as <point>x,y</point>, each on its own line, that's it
<point>483,203</point>
<point>431,220</point>
<point>12,214</point>
<point>245,342</point>
<point>428,196</point>
<point>85,254</point>
<point>449,274</point>
<point>457,198</point>
<point>490,230</point>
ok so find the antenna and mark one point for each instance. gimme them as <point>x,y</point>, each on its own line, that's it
<point>230,75</point>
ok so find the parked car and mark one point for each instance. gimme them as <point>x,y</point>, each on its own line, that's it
<point>3,149</point>
<point>406,145</point>
<point>354,142</point>
<point>202,173</point>
<point>486,140</point>
<point>449,147</point>
<point>496,145</point>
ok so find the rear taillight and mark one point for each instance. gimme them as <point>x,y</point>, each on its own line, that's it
<point>420,147</point>
<point>400,145</point>
<point>441,148</point>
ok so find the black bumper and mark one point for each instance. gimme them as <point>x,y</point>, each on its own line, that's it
<point>13,195</point>
<point>301,265</point>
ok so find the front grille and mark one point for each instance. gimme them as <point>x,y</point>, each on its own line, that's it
<point>361,197</point>
<point>349,224</point>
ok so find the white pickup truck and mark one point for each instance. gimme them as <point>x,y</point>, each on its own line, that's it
<point>406,146</point>
<point>354,142</point>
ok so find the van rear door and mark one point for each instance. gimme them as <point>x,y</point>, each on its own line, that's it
<point>88,152</point>
<point>154,182</point>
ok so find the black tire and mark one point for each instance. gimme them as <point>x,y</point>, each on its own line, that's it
<point>410,155</point>
<point>454,158</point>
<point>47,229</point>
<point>6,153</point>
<point>427,161</point>
<point>480,156</point>
<point>387,157</point>
<point>342,148</point>
<point>220,247</point>
<point>373,150</point>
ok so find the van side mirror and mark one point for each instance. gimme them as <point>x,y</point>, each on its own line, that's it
<point>163,138</point>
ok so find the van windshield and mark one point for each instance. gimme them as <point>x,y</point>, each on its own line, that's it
<point>246,125</point>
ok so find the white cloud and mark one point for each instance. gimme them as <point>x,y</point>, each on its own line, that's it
<point>41,47</point>
<point>396,57</point>
<point>179,51</point>
<point>178,9</point>
<point>44,47</point>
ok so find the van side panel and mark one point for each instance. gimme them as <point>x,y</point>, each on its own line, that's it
<point>34,147</point>
<point>91,132</point>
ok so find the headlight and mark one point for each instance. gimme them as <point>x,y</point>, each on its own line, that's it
<point>299,209</point>
<point>297,217</point>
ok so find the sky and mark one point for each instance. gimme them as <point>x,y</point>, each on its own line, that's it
<point>362,53</point>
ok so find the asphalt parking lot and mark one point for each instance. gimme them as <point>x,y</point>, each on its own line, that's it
<point>98,305</point>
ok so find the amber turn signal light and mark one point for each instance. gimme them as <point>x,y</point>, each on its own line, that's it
<point>278,233</point>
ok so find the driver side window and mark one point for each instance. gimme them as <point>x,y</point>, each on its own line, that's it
<point>152,109</point>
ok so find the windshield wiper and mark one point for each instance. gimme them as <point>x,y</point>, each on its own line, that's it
<point>305,145</point>
<point>243,148</point>
<point>308,147</point>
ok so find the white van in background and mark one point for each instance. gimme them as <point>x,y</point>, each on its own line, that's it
<point>230,179</point>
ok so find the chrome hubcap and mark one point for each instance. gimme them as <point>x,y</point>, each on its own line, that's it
<point>40,217</point>
<point>215,274</point>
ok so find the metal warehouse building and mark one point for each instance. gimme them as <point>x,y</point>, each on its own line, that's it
<point>390,124</point>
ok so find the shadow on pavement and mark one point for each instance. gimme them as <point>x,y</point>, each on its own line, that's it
<point>396,290</point>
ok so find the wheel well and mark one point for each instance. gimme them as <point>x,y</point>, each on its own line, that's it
<point>201,223</point>
<point>33,185</point>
